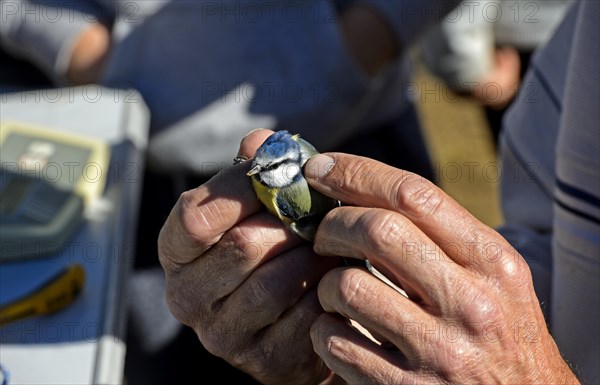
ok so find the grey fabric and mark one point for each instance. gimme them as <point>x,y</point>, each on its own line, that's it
<point>576,246</point>
<point>553,130</point>
<point>43,32</point>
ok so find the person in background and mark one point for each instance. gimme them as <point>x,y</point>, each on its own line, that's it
<point>291,312</point>
<point>483,49</point>
<point>230,66</point>
<point>209,71</point>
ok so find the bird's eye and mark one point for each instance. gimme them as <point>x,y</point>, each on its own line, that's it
<point>270,166</point>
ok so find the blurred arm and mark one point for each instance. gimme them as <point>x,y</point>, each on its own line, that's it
<point>378,31</point>
<point>462,52</point>
<point>460,49</point>
<point>369,38</point>
<point>49,33</point>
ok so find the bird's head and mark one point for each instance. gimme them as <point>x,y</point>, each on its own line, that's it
<point>277,162</point>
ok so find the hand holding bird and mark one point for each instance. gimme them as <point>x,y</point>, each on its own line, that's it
<point>277,178</point>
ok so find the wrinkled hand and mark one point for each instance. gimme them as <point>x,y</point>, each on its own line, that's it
<point>471,315</point>
<point>245,284</point>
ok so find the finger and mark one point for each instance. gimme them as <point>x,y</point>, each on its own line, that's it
<point>355,357</point>
<point>365,182</point>
<point>202,215</point>
<point>394,245</point>
<point>288,338</point>
<point>358,295</point>
<point>277,285</point>
<point>200,287</point>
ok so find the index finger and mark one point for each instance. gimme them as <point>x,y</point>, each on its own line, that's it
<point>365,182</point>
<point>202,215</point>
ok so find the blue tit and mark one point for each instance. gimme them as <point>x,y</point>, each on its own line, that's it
<point>277,178</point>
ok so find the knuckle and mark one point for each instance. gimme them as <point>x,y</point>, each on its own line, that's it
<point>353,174</point>
<point>241,243</point>
<point>198,222</point>
<point>215,343</point>
<point>384,231</point>
<point>515,276</point>
<point>508,264</point>
<point>335,346</point>
<point>491,252</point>
<point>186,211</point>
<point>417,196</point>
<point>257,358</point>
<point>178,306</point>
<point>481,306</point>
<point>189,301</point>
<point>268,360</point>
<point>515,269</point>
<point>454,358</point>
<point>353,289</point>
<point>258,293</point>
<point>165,255</point>
<point>185,234</point>
<point>223,337</point>
<point>239,236</point>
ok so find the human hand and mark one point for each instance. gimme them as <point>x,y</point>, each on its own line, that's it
<point>89,55</point>
<point>499,88</point>
<point>471,315</point>
<point>243,282</point>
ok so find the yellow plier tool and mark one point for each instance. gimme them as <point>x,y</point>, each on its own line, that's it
<point>56,294</point>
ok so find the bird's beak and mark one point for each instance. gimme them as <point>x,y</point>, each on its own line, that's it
<point>254,170</point>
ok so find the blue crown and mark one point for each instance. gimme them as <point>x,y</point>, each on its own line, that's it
<point>277,145</point>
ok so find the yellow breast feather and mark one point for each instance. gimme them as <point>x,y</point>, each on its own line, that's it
<point>268,197</point>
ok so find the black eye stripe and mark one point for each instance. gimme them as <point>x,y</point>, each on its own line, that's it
<point>274,165</point>
<point>271,166</point>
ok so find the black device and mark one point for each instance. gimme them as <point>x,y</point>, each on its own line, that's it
<point>47,177</point>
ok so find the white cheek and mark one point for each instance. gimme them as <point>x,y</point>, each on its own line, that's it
<point>290,171</point>
<point>282,175</point>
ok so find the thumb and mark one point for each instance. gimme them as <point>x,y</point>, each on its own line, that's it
<point>252,141</point>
